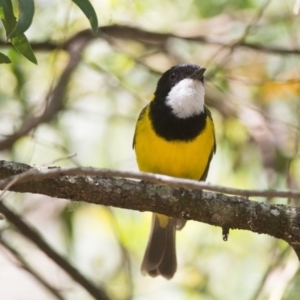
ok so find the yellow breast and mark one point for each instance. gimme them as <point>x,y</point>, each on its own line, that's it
<point>174,158</point>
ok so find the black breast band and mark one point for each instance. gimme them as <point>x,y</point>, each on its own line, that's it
<point>172,128</point>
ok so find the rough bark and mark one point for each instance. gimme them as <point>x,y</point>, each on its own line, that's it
<point>228,212</point>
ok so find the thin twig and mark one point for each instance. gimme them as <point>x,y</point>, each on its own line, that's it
<point>72,155</point>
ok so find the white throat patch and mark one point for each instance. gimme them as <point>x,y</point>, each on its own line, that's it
<point>186,98</point>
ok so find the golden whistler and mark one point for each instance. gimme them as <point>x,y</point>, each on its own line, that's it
<point>174,136</point>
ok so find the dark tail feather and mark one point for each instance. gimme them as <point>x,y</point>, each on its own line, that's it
<point>160,255</point>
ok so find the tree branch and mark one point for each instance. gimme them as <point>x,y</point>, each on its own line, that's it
<point>155,39</point>
<point>11,173</point>
<point>217,209</point>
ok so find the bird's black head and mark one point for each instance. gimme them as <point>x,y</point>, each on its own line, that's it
<point>177,111</point>
<point>174,75</point>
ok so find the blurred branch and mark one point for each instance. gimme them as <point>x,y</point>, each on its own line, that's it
<point>75,44</point>
<point>37,239</point>
<point>24,265</point>
<point>54,101</point>
<point>125,261</point>
<point>217,209</point>
<point>151,38</point>
<point>253,22</point>
<point>235,43</point>
<point>278,262</point>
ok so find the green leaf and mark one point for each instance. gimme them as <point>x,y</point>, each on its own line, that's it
<point>89,12</point>
<point>21,43</point>
<point>26,8</point>
<point>7,16</point>
<point>4,59</point>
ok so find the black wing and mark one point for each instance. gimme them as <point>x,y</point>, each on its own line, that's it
<point>213,150</point>
<point>142,113</point>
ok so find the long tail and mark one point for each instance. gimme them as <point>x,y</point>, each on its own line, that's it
<point>160,255</point>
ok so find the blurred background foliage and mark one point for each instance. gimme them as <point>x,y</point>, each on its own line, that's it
<point>251,50</point>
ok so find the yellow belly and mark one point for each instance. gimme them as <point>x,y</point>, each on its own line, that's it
<point>174,158</point>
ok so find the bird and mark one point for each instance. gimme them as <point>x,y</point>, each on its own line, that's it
<point>175,136</point>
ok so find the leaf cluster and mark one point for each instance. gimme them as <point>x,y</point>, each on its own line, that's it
<point>15,27</point>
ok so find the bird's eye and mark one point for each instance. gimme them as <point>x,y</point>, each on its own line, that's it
<point>173,76</point>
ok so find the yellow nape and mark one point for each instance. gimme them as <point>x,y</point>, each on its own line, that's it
<point>174,158</point>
